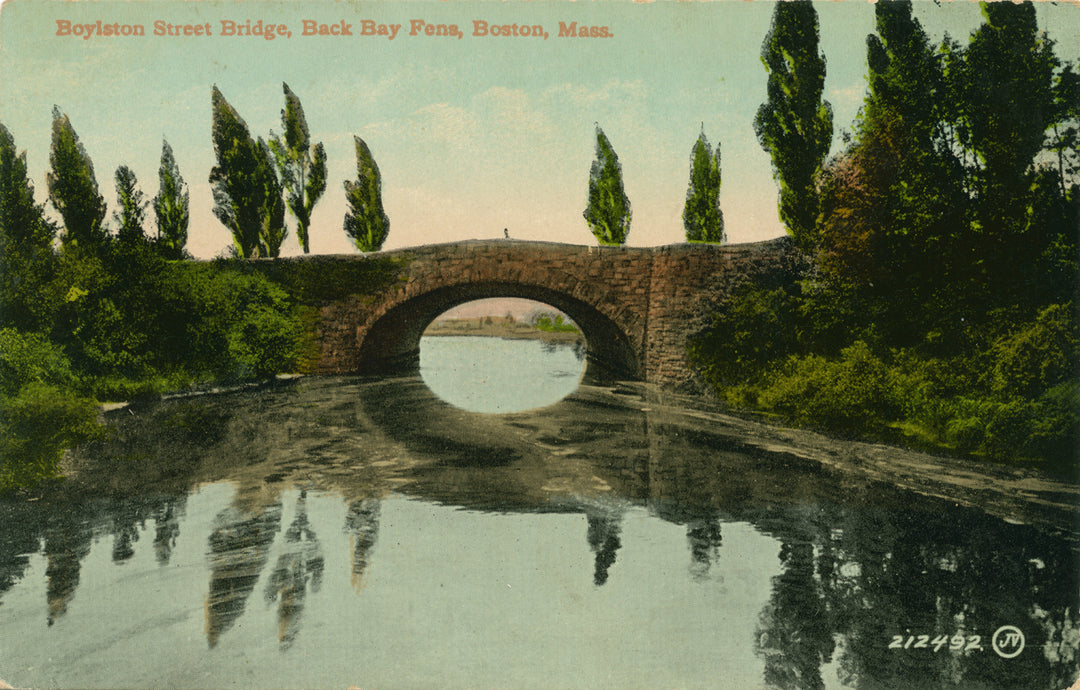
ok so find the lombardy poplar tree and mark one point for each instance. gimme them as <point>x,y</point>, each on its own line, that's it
<point>132,207</point>
<point>702,218</point>
<point>73,188</point>
<point>893,222</point>
<point>366,222</point>
<point>273,230</point>
<point>608,212</point>
<point>895,193</point>
<point>795,125</point>
<point>26,256</point>
<point>171,206</point>
<point>302,166</point>
<point>1005,83</point>
<point>247,193</point>
<point>22,220</point>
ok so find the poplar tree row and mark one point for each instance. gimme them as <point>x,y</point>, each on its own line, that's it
<point>608,211</point>
<point>940,301</point>
<point>256,180</point>
<point>73,191</point>
<point>962,167</point>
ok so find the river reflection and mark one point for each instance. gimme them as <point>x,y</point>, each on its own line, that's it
<point>500,375</point>
<point>601,542</point>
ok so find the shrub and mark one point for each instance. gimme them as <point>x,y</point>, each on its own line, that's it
<point>930,390</point>
<point>36,426</point>
<point>30,358</point>
<point>266,341</point>
<point>1055,429</point>
<point>757,327</point>
<point>855,393</point>
<point>226,323</point>
<point>1008,428</point>
<point>1038,355</point>
<point>967,434</point>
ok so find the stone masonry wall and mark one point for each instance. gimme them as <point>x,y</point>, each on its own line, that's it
<point>653,299</point>
<point>690,283</point>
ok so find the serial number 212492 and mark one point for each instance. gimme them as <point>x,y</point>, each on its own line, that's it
<point>956,643</point>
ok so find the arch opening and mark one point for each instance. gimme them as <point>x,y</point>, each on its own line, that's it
<point>391,346</point>
<point>501,355</point>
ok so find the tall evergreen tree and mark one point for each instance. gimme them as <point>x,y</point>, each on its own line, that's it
<point>27,261</point>
<point>302,166</point>
<point>73,188</point>
<point>795,125</point>
<point>366,222</point>
<point>171,206</point>
<point>702,218</point>
<point>608,212</point>
<point>132,207</point>
<point>247,193</point>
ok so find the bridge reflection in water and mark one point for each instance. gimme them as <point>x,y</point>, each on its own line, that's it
<point>266,483</point>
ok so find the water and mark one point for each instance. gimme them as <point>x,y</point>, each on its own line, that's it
<point>498,375</point>
<point>344,532</point>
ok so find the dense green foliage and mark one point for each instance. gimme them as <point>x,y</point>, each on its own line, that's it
<point>247,192</point>
<point>544,322</point>
<point>365,221</point>
<point>109,315</point>
<point>794,124</point>
<point>608,211</point>
<point>27,261</point>
<point>40,415</point>
<point>939,308</point>
<point>36,426</point>
<point>171,207</point>
<point>702,218</point>
<point>302,166</point>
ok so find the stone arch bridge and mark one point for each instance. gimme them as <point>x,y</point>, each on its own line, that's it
<point>636,306</point>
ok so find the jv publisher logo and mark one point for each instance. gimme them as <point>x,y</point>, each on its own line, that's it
<point>1008,641</point>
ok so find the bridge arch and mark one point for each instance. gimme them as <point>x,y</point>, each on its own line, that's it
<point>391,343</point>
<point>638,307</point>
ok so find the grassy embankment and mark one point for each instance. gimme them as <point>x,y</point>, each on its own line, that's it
<point>1005,389</point>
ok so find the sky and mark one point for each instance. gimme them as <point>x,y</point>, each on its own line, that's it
<point>472,134</point>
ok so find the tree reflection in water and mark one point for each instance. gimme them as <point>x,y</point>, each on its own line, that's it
<point>299,565</point>
<point>68,537</point>
<point>125,532</point>
<point>239,549</point>
<point>856,563</point>
<point>167,529</point>
<point>362,524</point>
<point>704,538</point>
<point>605,523</point>
<point>795,637</point>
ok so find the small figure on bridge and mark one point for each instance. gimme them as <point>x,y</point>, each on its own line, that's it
<point>506,233</point>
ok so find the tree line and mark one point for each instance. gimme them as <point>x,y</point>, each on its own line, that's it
<point>608,211</point>
<point>938,305</point>
<point>93,308</point>
<point>256,180</point>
